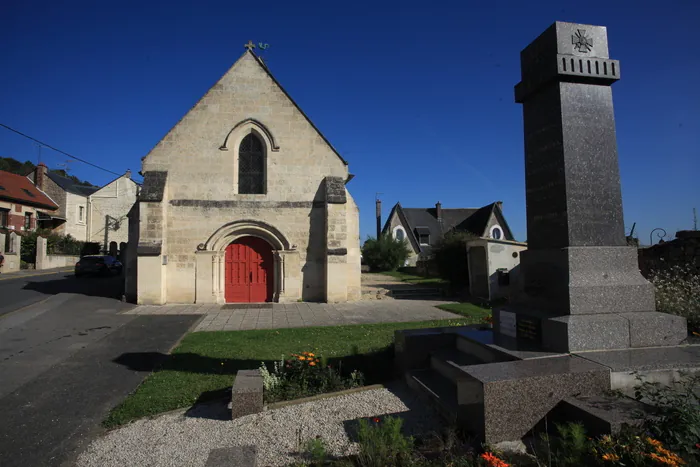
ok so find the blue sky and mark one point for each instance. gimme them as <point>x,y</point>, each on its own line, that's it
<point>418,97</point>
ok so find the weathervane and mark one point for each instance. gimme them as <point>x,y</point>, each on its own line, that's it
<point>250,46</point>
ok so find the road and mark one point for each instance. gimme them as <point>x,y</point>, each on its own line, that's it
<point>18,292</point>
<point>67,356</point>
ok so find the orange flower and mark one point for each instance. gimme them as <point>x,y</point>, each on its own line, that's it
<point>672,460</point>
<point>654,442</point>
<point>610,457</point>
<point>493,461</point>
<point>302,358</point>
<point>376,420</point>
<point>310,354</point>
<point>312,363</point>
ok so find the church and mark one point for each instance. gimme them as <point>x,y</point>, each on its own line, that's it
<point>244,201</point>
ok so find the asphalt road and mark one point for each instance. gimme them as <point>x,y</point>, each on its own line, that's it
<point>67,359</point>
<point>21,291</point>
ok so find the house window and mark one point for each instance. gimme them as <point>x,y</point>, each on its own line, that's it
<point>399,234</point>
<point>4,217</point>
<point>251,166</point>
<point>496,232</point>
<point>81,213</point>
<point>424,239</point>
<point>27,221</point>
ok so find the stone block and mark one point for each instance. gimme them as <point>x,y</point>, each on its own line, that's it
<point>413,347</point>
<point>236,456</point>
<point>247,393</point>
<point>514,396</point>
<point>654,329</point>
<point>585,332</point>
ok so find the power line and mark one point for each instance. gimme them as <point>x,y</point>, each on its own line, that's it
<point>58,150</point>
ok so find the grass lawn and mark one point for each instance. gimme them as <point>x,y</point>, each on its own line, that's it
<point>468,310</point>
<point>413,279</point>
<point>203,366</point>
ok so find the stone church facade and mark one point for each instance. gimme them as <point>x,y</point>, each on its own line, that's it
<point>244,200</point>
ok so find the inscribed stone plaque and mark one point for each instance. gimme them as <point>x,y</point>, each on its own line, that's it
<point>506,322</point>
<point>529,329</point>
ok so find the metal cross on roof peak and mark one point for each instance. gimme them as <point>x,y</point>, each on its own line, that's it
<point>249,45</point>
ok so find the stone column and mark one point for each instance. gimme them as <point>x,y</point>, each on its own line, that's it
<point>336,240</point>
<point>583,287</point>
<point>40,252</point>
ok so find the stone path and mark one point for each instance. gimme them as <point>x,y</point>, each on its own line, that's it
<point>291,315</point>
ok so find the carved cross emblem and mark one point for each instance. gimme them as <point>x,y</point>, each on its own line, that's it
<point>249,45</point>
<point>582,43</point>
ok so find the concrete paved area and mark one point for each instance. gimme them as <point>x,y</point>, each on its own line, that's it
<point>291,315</point>
<point>65,362</point>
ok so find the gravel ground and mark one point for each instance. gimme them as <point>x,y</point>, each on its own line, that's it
<point>186,437</point>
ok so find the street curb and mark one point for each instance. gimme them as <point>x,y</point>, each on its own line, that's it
<point>11,275</point>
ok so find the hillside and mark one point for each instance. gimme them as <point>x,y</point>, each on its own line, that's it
<point>14,166</point>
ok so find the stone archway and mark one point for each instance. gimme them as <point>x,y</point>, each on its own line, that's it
<point>210,275</point>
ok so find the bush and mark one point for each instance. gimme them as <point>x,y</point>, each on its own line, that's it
<point>678,293</point>
<point>385,253</point>
<point>677,422</point>
<point>302,376</point>
<point>451,258</point>
<point>382,444</point>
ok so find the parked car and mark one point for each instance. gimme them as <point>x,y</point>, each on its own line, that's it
<point>98,264</point>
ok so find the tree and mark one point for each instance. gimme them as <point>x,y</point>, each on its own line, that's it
<point>385,253</point>
<point>451,257</point>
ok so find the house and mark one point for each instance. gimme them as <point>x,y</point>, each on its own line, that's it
<point>424,228</point>
<point>71,217</point>
<point>21,205</point>
<point>244,200</point>
<point>107,212</point>
<point>88,213</point>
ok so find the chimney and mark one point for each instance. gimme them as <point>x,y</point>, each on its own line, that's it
<point>379,217</point>
<point>438,211</point>
<point>40,179</point>
<point>127,174</point>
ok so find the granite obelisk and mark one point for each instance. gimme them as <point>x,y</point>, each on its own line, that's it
<point>583,289</point>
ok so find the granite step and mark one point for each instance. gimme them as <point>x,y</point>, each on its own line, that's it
<point>490,347</point>
<point>450,362</point>
<point>601,414</point>
<point>437,390</point>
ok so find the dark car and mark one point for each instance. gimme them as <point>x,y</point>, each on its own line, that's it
<point>102,265</point>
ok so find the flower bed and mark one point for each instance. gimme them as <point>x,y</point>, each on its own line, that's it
<point>304,375</point>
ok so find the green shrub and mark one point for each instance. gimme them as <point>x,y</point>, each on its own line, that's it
<point>451,257</point>
<point>385,253</point>
<point>678,293</point>
<point>382,444</point>
<point>316,451</point>
<point>677,422</point>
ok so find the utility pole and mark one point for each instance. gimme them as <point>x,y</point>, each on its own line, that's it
<point>378,204</point>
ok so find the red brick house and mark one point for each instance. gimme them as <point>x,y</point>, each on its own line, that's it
<point>22,204</point>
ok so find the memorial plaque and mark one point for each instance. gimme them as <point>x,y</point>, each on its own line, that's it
<point>507,323</point>
<point>529,329</point>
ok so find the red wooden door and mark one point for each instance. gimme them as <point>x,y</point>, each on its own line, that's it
<point>249,272</point>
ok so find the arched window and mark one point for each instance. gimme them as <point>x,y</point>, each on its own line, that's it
<point>399,234</point>
<point>251,165</point>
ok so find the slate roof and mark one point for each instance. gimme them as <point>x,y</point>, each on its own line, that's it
<point>19,189</point>
<point>70,186</point>
<point>420,220</point>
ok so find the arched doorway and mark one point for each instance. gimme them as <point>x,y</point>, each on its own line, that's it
<point>249,271</point>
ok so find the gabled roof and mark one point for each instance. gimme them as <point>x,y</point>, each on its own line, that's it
<point>70,186</point>
<point>274,80</point>
<point>19,189</point>
<point>474,220</point>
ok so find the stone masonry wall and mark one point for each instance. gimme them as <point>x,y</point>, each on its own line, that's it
<point>394,221</point>
<point>73,226</point>
<point>115,200</point>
